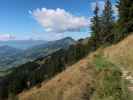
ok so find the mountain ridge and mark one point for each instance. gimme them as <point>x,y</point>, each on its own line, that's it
<point>22,44</point>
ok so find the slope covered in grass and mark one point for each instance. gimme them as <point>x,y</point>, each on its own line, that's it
<point>96,77</point>
<point>97,80</point>
<point>121,54</point>
<point>69,85</point>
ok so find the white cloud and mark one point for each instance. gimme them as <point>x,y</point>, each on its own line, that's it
<point>5,37</point>
<point>59,20</point>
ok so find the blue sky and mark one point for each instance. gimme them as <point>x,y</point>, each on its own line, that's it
<point>36,19</point>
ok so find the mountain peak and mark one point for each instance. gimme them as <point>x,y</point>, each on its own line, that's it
<point>67,40</point>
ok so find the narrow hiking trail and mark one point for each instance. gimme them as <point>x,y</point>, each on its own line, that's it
<point>121,55</point>
<point>127,75</point>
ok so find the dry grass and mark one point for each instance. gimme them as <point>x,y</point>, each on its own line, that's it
<point>68,85</point>
<point>121,53</point>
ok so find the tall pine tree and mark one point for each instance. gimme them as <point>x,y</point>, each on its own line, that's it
<point>125,21</point>
<point>96,25</point>
<point>107,23</point>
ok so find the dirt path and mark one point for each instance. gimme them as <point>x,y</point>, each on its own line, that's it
<point>129,77</point>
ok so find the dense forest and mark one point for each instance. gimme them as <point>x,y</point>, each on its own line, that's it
<point>105,31</point>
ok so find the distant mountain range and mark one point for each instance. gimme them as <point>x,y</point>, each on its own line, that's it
<point>49,47</point>
<point>12,57</point>
<point>22,44</point>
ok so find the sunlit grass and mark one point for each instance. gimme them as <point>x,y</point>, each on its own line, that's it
<point>109,84</point>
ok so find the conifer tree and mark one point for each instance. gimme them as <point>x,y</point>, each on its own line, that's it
<point>107,23</point>
<point>96,25</point>
<point>125,8</point>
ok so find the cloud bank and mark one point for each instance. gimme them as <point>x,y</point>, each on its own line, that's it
<point>58,20</point>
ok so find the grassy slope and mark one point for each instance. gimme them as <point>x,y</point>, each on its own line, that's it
<point>73,82</point>
<point>69,85</point>
<point>121,53</point>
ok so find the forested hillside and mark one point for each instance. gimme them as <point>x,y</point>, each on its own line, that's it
<point>42,69</point>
